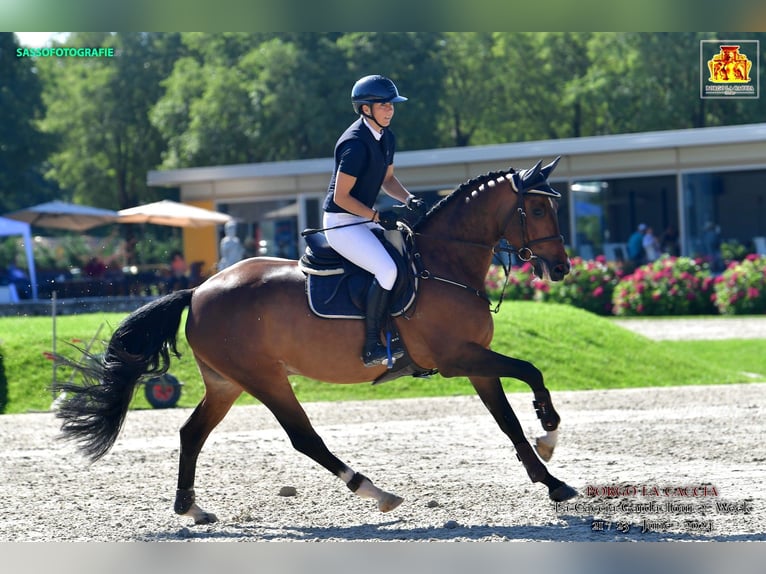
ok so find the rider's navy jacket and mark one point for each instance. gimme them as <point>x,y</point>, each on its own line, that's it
<point>359,154</point>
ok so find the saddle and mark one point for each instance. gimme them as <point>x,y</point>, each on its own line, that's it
<point>337,289</point>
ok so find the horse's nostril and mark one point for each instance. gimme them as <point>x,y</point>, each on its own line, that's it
<point>561,269</point>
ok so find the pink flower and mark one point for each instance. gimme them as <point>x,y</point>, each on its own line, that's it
<point>598,291</point>
<point>752,293</point>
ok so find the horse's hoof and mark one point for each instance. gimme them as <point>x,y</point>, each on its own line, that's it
<point>389,502</point>
<point>562,492</point>
<point>200,516</point>
<point>544,450</point>
<point>205,518</point>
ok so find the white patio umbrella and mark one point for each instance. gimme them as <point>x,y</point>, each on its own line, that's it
<point>172,213</point>
<point>63,215</point>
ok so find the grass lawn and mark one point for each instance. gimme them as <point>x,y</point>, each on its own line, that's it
<point>574,349</point>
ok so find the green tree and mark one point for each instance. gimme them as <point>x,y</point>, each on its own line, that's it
<point>267,97</point>
<point>249,98</point>
<point>660,88</point>
<point>471,86</point>
<point>651,81</point>
<point>23,146</point>
<point>541,74</point>
<point>415,62</point>
<point>99,108</point>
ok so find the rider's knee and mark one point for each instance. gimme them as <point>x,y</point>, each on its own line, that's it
<point>387,276</point>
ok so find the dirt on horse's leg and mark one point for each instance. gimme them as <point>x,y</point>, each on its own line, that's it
<point>491,392</point>
<point>219,396</point>
<point>281,401</point>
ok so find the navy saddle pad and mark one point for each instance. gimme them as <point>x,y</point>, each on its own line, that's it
<point>337,289</point>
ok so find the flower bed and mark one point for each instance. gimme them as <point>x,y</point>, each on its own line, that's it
<point>741,288</point>
<point>522,283</point>
<point>668,286</point>
<point>589,285</point>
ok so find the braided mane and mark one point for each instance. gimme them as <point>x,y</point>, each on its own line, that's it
<point>463,189</point>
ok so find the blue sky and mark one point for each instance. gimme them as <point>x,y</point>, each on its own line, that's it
<point>38,39</point>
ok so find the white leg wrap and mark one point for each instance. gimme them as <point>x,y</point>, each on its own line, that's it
<point>366,489</point>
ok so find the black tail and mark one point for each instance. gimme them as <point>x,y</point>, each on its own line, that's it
<point>93,412</point>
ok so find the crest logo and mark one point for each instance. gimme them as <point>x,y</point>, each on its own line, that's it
<point>727,70</point>
<point>729,65</point>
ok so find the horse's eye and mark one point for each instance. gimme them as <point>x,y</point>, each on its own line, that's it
<point>538,212</point>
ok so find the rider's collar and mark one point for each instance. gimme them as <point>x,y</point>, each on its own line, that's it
<point>375,133</point>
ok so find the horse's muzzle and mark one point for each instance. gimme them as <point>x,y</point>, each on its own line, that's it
<point>543,269</point>
<point>559,271</point>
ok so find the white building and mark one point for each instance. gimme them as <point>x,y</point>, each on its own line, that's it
<point>676,178</point>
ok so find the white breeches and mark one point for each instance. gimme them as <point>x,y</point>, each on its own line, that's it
<point>358,244</point>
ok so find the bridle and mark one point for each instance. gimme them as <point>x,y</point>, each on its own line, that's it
<point>524,253</point>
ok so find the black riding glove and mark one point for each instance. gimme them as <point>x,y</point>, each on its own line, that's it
<point>416,205</point>
<point>387,220</point>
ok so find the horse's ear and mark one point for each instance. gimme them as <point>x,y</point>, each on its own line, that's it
<point>534,172</point>
<point>548,169</point>
<point>535,179</point>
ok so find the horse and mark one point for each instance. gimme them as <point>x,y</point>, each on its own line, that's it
<point>237,329</point>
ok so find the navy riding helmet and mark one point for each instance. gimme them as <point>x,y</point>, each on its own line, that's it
<point>374,89</point>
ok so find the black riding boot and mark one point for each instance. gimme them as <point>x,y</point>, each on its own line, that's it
<point>374,352</point>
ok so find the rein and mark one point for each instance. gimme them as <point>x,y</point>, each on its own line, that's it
<point>426,274</point>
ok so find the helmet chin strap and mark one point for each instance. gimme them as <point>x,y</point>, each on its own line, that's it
<point>371,117</point>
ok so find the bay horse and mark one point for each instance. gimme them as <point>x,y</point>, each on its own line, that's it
<point>250,327</point>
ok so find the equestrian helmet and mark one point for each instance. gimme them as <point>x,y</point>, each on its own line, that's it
<point>374,89</point>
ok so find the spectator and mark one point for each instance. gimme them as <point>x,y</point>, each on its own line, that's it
<point>178,273</point>
<point>711,245</point>
<point>636,246</point>
<point>651,245</point>
<point>232,249</point>
<point>669,241</point>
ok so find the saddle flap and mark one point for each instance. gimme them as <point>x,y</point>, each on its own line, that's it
<point>336,288</point>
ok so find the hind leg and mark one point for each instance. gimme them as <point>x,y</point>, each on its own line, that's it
<point>278,396</point>
<point>220,394</point>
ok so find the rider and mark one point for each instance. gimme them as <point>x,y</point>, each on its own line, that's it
<point>364,163</point>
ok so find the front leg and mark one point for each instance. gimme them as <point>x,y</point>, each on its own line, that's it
<point>484,368</point>
<point>490,390</point>
<point>475,360</point>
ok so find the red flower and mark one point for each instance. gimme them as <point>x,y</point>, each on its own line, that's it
<point>598,291</point>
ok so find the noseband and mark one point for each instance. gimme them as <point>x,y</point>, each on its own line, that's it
<point>524,253</point>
